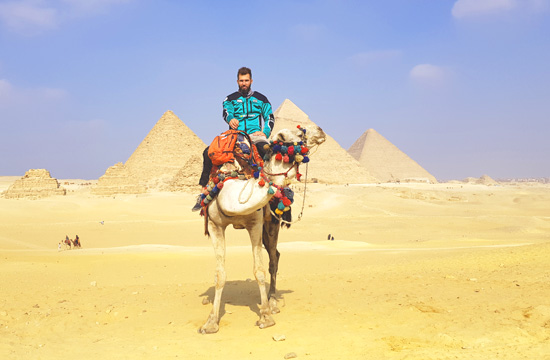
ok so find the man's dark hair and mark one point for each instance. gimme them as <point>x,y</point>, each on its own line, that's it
<point>244,71</point>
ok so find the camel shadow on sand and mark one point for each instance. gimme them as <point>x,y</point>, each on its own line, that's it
<point>242,293</point>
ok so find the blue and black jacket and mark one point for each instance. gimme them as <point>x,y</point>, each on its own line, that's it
<point>253,112</point>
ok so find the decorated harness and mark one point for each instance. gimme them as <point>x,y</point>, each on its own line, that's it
<point>249,165</point>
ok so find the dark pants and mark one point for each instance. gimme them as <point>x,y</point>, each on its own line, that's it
<point>207,163</point>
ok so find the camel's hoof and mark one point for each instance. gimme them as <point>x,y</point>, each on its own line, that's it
<point>273,306</point>
<point>209,329</point>
<point>265,322</point>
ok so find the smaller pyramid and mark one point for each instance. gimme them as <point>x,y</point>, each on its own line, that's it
<point>483,180</point>
<point>385,161</point>
<point>118,180</point>
<point>330,163</point>
<point>36,184</point>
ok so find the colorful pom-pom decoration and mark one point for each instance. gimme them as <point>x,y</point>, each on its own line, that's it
<point>279,156</point>
<point>280,206</point>
<point>286,202</point>
<point>284,149</point>
<point>271,191</point>
<point>286,159</point>
<point>304,150</point>
<point>299,158</point>
<point>278,212</point>
<point>256,174</point>
<point>306,159</point>
<point>220,185</point>
<point>216,180</point>
<point>261,182</point>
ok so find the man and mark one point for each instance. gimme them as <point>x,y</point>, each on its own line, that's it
<point>244,110</point>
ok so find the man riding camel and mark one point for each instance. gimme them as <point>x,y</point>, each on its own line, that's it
<point>245,110</point>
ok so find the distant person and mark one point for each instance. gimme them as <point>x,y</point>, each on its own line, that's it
<point>244,110</point>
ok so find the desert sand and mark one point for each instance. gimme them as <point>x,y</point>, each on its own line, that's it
<point>415,271</point>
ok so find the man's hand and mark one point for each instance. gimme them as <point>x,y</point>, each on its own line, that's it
<point>234,123</point>
<point>258,133</point>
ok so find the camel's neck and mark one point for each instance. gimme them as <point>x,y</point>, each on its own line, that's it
<point>281,172</point>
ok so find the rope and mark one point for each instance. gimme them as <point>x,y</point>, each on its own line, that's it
<point>251,180</point>
<point>303,205</point>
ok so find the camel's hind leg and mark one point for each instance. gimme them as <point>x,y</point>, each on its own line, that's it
<point>255,231</point>
<point>218,240</point>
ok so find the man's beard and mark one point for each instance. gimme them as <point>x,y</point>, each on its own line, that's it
<point>244,90</point>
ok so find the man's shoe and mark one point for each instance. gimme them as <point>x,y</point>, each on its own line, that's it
<point>197,206</point>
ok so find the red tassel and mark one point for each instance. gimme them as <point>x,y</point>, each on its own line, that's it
<point>261,182</point>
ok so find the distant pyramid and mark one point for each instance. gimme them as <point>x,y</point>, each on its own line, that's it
<point>330,163</point>
<point>169,153</point>
<point>36,184</point>
<point>118,180</point>
<point>385,161</point>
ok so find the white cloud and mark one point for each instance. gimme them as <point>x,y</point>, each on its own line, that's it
<point>369,57</point>
<point>429,74</point>
<point>31,17</point>
<point>476,8</point>
<point>11,96</point>
<point>28,16</point>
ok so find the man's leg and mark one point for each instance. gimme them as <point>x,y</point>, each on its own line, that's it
<point>206,168</point>
<point>260,146</point>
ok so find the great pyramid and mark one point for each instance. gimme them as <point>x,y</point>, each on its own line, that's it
<point>330,163</point>
<point>385,161</point>
<point>169,158</point>
<point>37,183</point>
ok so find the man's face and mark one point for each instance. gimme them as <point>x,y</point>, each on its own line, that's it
<point>244,82</point>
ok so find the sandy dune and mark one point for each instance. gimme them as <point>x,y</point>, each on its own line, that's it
<point>416,271</point>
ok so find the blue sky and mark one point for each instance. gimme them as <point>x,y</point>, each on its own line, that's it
<point>461,86</point>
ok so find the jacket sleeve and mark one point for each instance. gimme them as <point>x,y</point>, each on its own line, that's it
<point>269,119</point>
<point>228,110</point>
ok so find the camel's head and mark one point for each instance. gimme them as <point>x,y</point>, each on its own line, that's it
<point>290,148</point>
<point>310,135</point>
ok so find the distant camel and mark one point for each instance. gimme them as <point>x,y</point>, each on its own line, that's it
<point>76,242</point>
<point>68,242</point>
<point>240,203</point>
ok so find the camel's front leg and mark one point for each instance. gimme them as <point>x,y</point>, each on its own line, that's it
<point>266,320</point>
<point>270,237</point>
<point>218,240</point>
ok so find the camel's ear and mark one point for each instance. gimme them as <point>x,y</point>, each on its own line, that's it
<point>283,135</point>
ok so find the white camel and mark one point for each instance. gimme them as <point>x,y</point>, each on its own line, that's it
<point>240,203</point>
